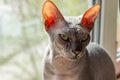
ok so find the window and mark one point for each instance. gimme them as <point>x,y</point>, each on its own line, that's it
<point>118,30</point>
<point>106,26</point>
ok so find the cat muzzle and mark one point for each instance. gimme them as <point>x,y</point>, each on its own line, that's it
<point>76,52</point>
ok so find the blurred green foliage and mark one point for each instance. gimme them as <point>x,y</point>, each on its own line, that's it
<point>72,7</point>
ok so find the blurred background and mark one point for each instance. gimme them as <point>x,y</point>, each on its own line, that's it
<point>23,40</point>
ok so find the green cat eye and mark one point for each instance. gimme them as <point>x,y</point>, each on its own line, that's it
<point>64,37</point>
<point>85,38</point>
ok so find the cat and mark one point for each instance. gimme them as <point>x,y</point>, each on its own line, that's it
<point>71,55</point>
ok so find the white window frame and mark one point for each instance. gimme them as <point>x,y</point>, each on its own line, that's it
<point>105,29</point>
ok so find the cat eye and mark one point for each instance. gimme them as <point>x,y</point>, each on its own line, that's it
<point>85,38</point>
<point>64,37</point>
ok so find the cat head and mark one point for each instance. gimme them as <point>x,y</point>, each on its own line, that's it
<point>69,35</point>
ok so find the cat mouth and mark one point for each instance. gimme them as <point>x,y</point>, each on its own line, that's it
<point>78,56</point>
<point>72,59</point>
<point>75,57</point>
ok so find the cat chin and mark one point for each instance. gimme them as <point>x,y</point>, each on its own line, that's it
<point>70,59</point>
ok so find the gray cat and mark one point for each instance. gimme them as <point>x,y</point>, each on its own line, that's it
<point>70,55</point>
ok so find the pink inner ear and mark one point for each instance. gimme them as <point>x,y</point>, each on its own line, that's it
<point>50,21</point>
<point>87,24</point>
<point>85,21</point>
<point>90,16</point>
<point>50,14</point>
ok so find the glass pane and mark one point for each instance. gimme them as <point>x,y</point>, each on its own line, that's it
<point>23,39</point>
<point>118,33</point>
<point>118,50</point>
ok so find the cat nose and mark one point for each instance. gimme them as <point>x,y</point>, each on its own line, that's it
<point>76,52</point>
<point>76,47</point>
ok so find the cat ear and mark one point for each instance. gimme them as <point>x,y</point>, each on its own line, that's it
<point>51,14</point>
<point>89,17</point>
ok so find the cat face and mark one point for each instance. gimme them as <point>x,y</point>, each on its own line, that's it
<point>71,40</point>
<point>69,35</point>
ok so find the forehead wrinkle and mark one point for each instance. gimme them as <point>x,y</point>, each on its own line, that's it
<point>76,33</point>
<point>73,32</point>
<point>73,21</point>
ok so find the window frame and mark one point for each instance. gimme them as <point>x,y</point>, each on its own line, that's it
<point>105,30</point>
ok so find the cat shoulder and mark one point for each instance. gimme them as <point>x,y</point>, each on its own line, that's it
<point>100,62</point>
<point>99,56</point>
<point>97,50</point>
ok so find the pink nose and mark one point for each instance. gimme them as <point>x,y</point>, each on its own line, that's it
<point>76,52</point>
